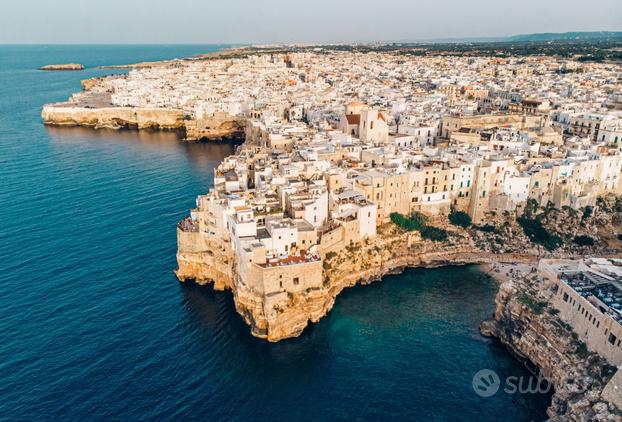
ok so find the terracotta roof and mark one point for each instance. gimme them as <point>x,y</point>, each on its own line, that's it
<point>381,117</point>
<point>353,119</point>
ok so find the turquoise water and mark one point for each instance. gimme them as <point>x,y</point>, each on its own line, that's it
<point>93,323</point>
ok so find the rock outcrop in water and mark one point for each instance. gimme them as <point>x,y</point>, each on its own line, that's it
<point>67,66</point>
<point>585,385</point>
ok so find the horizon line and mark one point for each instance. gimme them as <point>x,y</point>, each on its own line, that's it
<point>454,39</point>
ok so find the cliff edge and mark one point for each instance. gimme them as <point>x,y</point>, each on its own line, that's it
<point>95,108</point>
<point>585,384</point>
<point>279,316</point>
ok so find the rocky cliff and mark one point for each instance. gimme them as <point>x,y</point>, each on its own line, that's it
<point>94,108</point>
<point>213,128</point>
<point>276,318</point>
<point>583,381</point>
<point>113,117</point>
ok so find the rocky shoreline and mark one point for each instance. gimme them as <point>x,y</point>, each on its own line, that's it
<point>135,118</point>
<point>537,340</point>
<point>362,264</point>
<point>584,382</point>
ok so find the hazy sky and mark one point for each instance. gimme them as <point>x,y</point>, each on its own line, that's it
<point>262,21</point>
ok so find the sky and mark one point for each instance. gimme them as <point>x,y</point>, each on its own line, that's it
<point>286,21</point>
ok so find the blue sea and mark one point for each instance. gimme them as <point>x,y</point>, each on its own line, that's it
<point>94,325</point>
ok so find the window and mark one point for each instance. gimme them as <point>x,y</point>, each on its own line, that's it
<point>296,281</point>
<point>566,297</point>
<point>612,339</point>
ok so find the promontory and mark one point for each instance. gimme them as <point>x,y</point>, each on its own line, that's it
<point>67,66</point>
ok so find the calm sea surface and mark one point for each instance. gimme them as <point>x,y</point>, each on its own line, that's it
<point>93,324</point>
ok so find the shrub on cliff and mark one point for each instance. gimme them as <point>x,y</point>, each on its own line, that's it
<point>531,207</point>
<point>587,212</point>
<point>434,233</point>
<point>536,306</point>
<point>487,228</point>
<point>584,240</point>
<point>417,222</point>
<point>460,218</point>
<point>537,233</point>
<point>401,221</point>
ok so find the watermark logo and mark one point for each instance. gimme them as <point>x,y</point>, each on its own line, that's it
<point>487,383</point>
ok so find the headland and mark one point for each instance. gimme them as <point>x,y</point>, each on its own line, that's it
<point>67,66</point>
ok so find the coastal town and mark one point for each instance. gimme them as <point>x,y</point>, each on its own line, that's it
<point>358,165</point>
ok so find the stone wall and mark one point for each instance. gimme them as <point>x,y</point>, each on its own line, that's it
<point>590,324</point>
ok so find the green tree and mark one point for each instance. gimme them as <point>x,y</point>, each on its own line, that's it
<point>537,233</point>
<point>460,218</point>
<point>584,240</point>
<point>587,212</point>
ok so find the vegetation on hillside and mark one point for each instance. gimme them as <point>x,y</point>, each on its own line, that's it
<point>460,218</point>
<point>418,222</point>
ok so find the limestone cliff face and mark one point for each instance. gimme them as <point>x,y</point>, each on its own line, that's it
<point>216,127</point>
<point>93,108</point>
<point>113,117</point>
<point>213,128</point>
<point>276,317</point>
<point>534,333</point>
